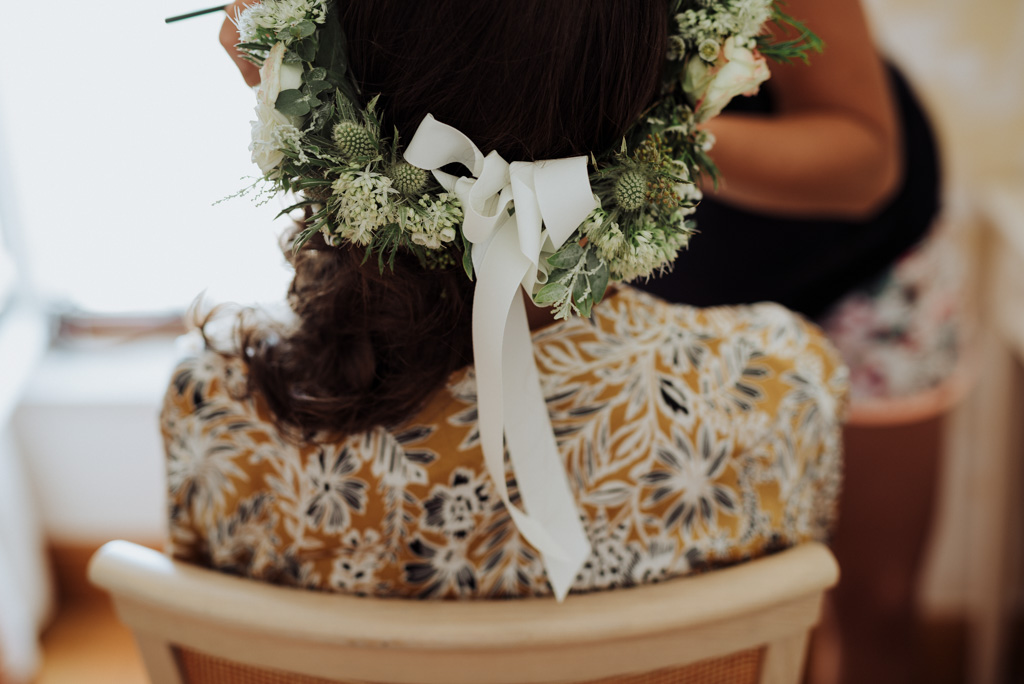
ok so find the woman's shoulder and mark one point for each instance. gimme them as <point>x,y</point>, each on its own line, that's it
<point>632,319</point>
<point>746,370</point>
<point>203,377</point>
<point>742,371</point>
<point>632,306</point>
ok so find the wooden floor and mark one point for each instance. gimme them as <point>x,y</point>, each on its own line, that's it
<point>86,644</point>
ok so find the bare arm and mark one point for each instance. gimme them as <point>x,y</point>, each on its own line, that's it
<point>833,148</point>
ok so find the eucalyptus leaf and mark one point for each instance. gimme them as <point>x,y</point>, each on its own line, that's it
<point>558,275</point>
<point>314,88</point>
<point>306,48</point>
<point>321,117</point>
<point>579,287</point>
<point>585,306</point>
<point>292,102</point>
<point>599,283</point>
<point>311,90</point>
<point>551,293</point>
<point>315,74</point>
<point>567,257</point>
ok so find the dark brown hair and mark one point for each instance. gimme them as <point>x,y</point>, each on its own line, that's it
<point>532,79</point>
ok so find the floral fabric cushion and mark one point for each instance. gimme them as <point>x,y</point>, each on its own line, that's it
<point>692,438</point>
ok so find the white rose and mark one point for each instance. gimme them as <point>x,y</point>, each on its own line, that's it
<point>276,75</point>
<point>710,87</point>
<point>271,126</point>
<point>266,144</point>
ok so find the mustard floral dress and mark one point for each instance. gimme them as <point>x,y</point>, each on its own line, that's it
<point>692,438</point>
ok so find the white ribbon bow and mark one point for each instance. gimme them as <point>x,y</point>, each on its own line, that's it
<point>551,199</point>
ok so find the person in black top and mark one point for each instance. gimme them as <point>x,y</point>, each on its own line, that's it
<point>807,263</point>
<point>829,175</point>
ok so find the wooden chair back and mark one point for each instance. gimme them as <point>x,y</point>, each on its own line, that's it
<point>746,624</point>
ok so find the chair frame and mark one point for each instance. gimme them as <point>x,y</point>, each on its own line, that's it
<point>771,602</point>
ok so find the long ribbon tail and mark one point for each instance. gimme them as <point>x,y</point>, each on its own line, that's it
<point>511,404</point>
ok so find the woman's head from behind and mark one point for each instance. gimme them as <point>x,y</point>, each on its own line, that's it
<point>532,79</point>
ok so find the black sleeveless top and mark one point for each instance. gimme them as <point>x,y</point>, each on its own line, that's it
<point>739,257</point>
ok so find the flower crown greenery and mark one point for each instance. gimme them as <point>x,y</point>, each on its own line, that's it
<point>317,136</point>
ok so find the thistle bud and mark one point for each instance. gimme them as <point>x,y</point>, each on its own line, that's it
<point>631,191</point>
<point>407,179</point>
<point>353,140</point>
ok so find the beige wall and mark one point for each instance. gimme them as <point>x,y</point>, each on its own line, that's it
<point>966,57</point>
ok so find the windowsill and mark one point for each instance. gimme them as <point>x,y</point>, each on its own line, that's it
<point>103,372</point>
<point>88,427</point>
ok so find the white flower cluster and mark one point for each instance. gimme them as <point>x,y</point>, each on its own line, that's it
<point>649,251</point>
<point>361,202</point>
<point>690,194</point>
<point>707,27</point>
<point>434,221</point>
<point>646,251</point>
<point>278,16</point>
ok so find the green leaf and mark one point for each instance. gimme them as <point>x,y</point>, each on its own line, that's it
<point>558,274</point>
<point>321,117</point>
<point>292,102</point>
<point>467,256</point>
<point>551,293</point>
<point>585,306</point>
<point>297,205</point>
<point>794,48</point>
<point>303,29</point>
<point>579,287</point>
<point>314,88</point>
<point>334,57</point>
<point>567,257</point>
<point>599,283</point>
<point>303,237</point>
<point>253,47</point>
<point>306,48</point>
<point>315,74</point>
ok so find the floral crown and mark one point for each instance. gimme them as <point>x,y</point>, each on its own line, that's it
<point>317,136</point>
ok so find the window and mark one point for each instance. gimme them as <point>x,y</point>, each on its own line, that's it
<point>8,274</point>
<point>8,266</point>
<point>122,132</point>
